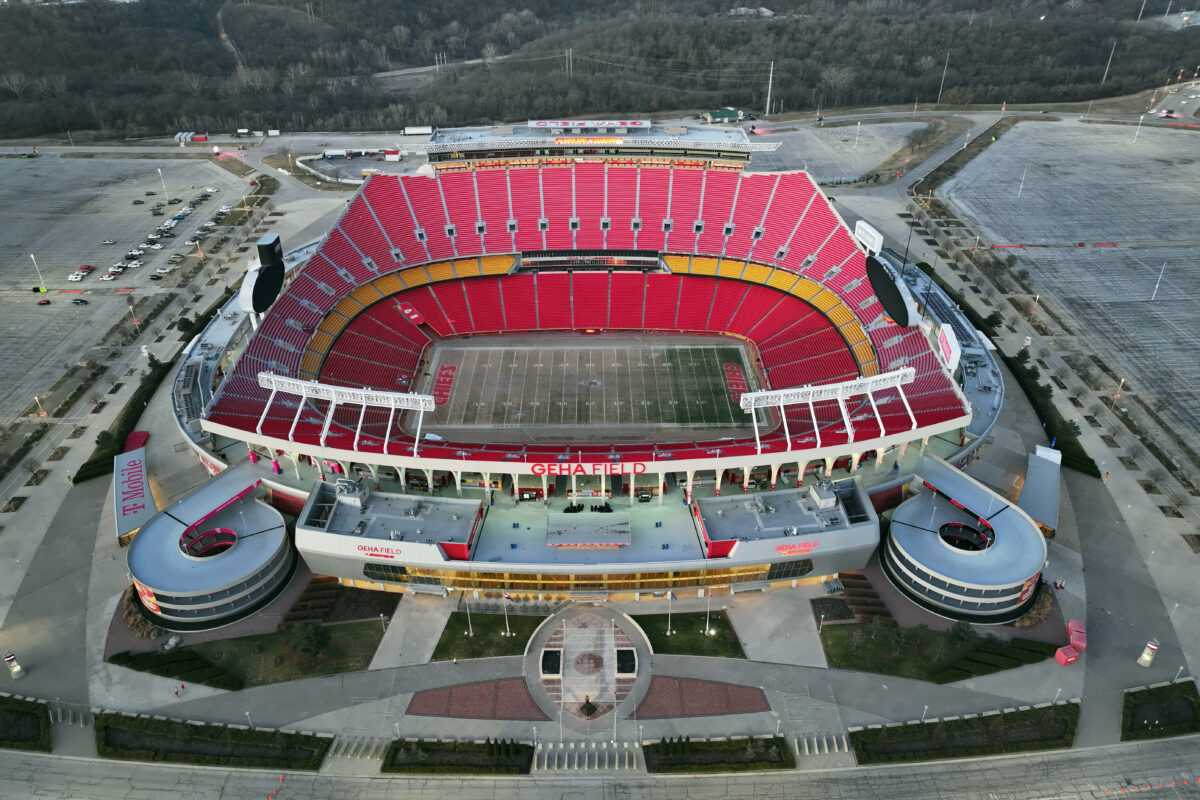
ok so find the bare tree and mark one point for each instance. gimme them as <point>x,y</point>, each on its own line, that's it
<point>15,81</point>
<point>30,464</point>
<point>919,137</point>
<point>193,84</point>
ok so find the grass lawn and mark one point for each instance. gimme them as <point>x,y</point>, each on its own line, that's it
<point>276,657</point>
<point>1165,711</point>
<point>489,639</point>
<point>689,638</point>
<point>924,654</point>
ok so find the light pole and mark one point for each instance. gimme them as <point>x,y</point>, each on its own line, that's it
<point>1056,694</point>
<point>1178,672</point>
<point>641,737</point>
<point>396,725</point>
<point>923,713</point>
<point>560,730</point>
<point>249,720</point>
<point>535,737</point>
<point>1158,282</point>
<point>163,182</point>
<point>1139,126</point>
<point>821,625</point>
<point>41,280</point>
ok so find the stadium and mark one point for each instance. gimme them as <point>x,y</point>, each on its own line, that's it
<point>584,331</point>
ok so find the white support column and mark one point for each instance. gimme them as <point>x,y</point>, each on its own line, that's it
<point>328,421</point>
<point>786,431</point>
<point>417,439</point>
<point>574,487</point>
<point>458,481</point>
<point>545,491</point>
<point>387,432</point>
<point>296,464</point>
<point>812,412</point>
<point>691,473</point>
<point>632,481</point>
<point>854,459</point>
<point>846,419</point>
<point>879,459</point>
<point>296,419</point>
<point>429,481</point>
<point>924,444</point>
<point>403,480</point>
<point>745,480</point>
<point>757,440</point>
<point>662,487</point>
<point>266,408</point>
<point>362,412</point>
<point>829,466</point>
<point>907,408</point>
<point>878,419</point>
<point>774,475</point>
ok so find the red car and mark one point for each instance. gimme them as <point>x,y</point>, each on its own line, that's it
<point>86,268</point>
<point>43,302</point>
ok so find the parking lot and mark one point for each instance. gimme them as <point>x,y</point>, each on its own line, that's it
<point>832,152</point>
<point>60,210</point>
<point>1065,183</point>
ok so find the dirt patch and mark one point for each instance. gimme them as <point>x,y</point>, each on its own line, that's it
<point>80,430</point>
<point>832,609</point>
<point>58,454</point>
<point>1193,541</point>
<point>13,505</point>
<point>19,726</point>
<point>1170,511</point>
<point>37,477</point>
<point>1149,487</point>
<point>1129,463</point>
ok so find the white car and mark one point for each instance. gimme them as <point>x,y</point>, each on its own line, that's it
<point>210,189</point>
<point>209,224</point>
<point>137,251</point>
<point>108,241</point>
<point>226,209</point>
<point>137,262</point>
<point>112,276</point>
<point>155,235</point>
<point>76,278</point>
<point>163,270</point>
<point>156,246</point>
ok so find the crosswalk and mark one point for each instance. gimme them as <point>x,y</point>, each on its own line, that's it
<point>369,747</point>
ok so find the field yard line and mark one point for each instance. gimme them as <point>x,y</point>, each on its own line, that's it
<point>464,376</point>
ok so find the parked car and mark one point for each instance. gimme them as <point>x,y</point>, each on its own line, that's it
<point>139,202</point>
<point>151,194</point>
<point>43,302</point>
<point>192,242</point>
<point>156,246</point>
<point>86,268</point>
<point>163,270</point>
<point>78,301</point>
<point>109,277</point>
<point>76,277</point>
<point>156,213</point>
<point>108,241</point>
<point>156,277</point>
<point>174,201</point>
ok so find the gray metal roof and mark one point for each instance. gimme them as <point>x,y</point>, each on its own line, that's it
<point>1040,494</point>
<point>156,559</point>
<point>1019,550</point>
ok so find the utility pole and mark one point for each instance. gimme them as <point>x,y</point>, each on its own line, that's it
<point>943,86</point>
<point>1109,64</point>
<point>770,78</point>
<point>1140,10</point>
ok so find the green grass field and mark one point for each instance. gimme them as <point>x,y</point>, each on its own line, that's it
<point>589,384</point>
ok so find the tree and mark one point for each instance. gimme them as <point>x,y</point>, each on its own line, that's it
<point>919,137</point>
<point>105,440</point>
<point>15,82</point>
<point>310,639</point>
<point>30,464</point>
<point>962,634</point>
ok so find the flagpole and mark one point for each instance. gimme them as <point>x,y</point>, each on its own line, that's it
<point>507,630</point>
<point>467,605</point>
<point>707,609</point>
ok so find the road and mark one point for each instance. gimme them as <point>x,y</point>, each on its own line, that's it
<point>1070,775</point>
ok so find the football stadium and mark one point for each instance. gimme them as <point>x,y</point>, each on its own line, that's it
<point>580,359</point>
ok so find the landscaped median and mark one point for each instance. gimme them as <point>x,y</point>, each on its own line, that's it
<point>1049,727</point>
<point>1171,709</point>
<point>140,738</point>
<point>734,755</point>
<point>498,757</point>
<point>689,636</point>
<point>24,724</point>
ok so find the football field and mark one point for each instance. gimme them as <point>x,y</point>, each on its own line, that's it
<point>589,388</point>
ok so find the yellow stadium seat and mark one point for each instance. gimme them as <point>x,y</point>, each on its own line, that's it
<point>841,315</point>
<point>497,265</point>
<point>704,266</point>
<point>348,307</point>
<point>731,269</point>
<point>442,271</point>
<point>756,273</point>
<point>467,268</point>
<point>415,276</point>
<point>366,294</point>
<point>677,264</point>
<point>825,302</point>
<point>783,280</point>
<point>309,365</point>
<point>322,340</point>
<point>805,289</point>
<point>389,285</point>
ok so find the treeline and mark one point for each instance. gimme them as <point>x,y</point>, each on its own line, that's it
<point>156,66</point>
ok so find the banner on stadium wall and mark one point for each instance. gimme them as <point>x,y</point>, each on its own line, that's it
<point>588,123</point>
<point>147,597</point>
<point>133,504</point>
<point>948,347</point>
